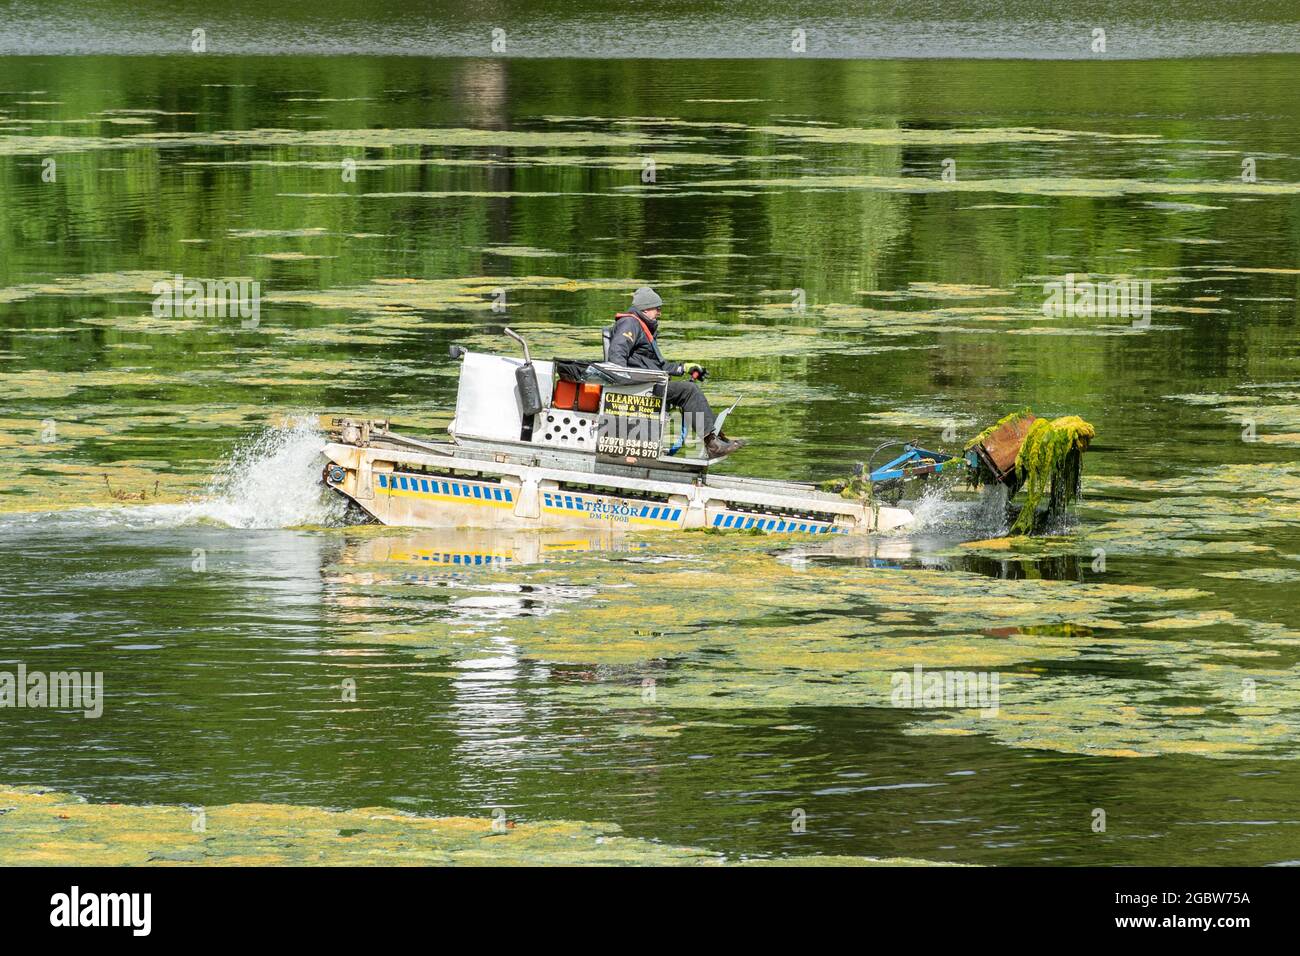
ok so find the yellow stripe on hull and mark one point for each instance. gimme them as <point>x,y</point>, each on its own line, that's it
<point>450,499</point>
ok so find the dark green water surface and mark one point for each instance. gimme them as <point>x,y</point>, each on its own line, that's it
<point>1148,654</point>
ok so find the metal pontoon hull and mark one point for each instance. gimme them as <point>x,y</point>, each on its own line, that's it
<point>507,486</point>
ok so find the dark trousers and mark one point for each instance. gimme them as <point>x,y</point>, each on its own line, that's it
<point>689,397</point>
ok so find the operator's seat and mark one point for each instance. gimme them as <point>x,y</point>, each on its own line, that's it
<point>607,334</point>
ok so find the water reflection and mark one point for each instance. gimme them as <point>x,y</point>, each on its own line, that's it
<point>496,670</point>
<point>466,548</point>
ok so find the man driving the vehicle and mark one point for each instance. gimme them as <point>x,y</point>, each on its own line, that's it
<point>632,344</point>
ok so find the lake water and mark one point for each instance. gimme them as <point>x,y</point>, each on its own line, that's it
<point>162,520</point>
<point>618,30</point>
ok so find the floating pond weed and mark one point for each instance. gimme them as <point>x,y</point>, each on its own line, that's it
<point>1050,462</point>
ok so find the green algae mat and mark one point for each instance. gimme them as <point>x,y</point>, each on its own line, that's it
<point>55,829</point>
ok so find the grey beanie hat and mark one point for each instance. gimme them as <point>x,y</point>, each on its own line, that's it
<point>646,298</point>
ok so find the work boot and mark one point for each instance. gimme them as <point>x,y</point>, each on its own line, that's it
<point>719,446</point>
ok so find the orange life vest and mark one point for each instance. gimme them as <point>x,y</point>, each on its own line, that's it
<point>640,321</point>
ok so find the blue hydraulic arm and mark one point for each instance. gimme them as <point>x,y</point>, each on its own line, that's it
<point>915,462</point>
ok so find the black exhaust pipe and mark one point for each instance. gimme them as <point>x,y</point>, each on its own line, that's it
<point>530,393</point>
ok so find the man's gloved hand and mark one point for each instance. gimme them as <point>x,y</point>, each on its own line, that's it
<point>696,373</point>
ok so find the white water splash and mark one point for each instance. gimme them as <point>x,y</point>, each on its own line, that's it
<point>940,509</point>
<point>273,481</point>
